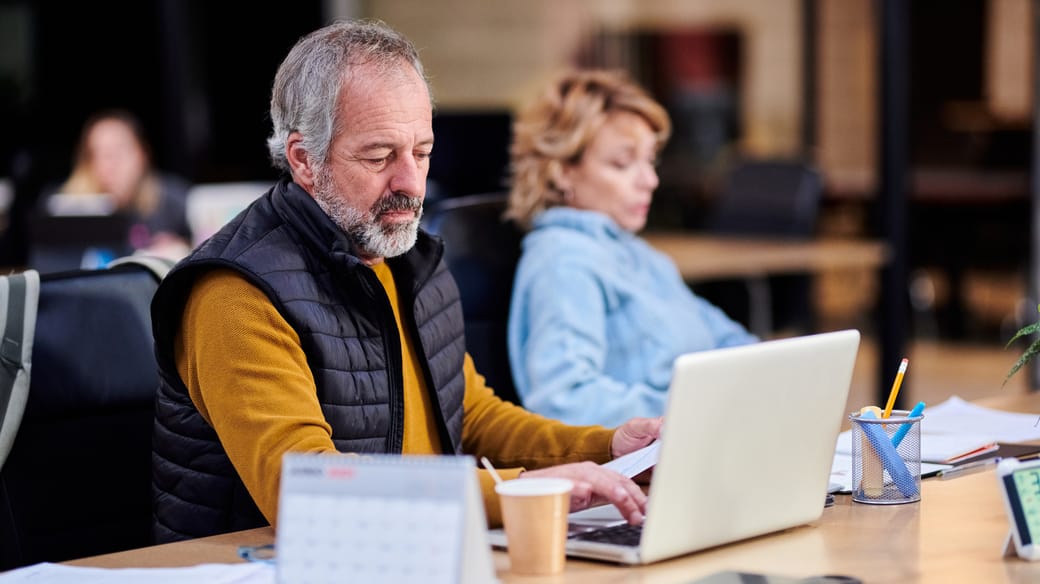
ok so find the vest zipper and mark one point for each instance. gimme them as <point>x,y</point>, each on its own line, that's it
<point>392,352</point>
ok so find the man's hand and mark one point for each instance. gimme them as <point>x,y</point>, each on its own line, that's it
<point>635,434</point>
<point>594,485</point>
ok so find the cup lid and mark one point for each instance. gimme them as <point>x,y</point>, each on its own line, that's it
<point>534,486</point>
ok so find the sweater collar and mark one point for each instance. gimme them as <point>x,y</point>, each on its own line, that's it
<point>594,223</point>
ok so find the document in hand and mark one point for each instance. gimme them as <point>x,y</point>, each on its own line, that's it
<point>636,462</point>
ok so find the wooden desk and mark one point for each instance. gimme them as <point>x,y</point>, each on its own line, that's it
<point>953,535</point>
<point>711,257</point>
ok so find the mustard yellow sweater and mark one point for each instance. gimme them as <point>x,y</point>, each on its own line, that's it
<point>247,374</point>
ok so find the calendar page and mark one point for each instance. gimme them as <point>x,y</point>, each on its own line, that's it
<point>376,519</point>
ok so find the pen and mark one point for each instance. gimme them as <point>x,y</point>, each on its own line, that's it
<point>969,468</point>
<point>902,430</point>
<point>895,388</point>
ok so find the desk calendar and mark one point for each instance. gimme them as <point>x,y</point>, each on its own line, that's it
<point>381,519</point>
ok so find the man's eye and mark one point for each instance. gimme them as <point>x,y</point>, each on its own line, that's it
<point>423,155</point>
<point>377,162</point>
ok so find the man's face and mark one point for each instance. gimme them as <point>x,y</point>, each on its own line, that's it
<point>374,182</point>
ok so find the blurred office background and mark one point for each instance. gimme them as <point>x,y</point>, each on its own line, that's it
<point>791,80</point>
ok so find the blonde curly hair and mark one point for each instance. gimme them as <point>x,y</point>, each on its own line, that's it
<point>554,131</point>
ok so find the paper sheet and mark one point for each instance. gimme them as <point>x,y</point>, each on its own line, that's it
<point>247,573</point>
<point>841,472</point>
<point>636,462</point>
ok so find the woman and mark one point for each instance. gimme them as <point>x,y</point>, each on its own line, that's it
<point>113,158</point>
<point>597,315</point>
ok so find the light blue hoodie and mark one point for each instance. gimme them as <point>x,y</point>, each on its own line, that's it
<point>597,318</point>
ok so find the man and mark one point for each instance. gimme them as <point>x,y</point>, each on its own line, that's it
<point>322,320</point>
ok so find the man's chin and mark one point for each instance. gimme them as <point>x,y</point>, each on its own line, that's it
<point>395,240</point>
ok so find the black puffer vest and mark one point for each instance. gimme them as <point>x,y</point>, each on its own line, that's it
<point>286,245</point>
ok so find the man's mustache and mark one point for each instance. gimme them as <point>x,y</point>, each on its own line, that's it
<point>396,202</point>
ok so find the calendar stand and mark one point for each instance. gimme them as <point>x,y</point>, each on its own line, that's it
<point>381,518</point>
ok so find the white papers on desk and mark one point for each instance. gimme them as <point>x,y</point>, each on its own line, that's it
<point>948,429</point>
<point>841,472</point>
<point>958,417</point>
<point>956,426</point>
<point>248,573</point>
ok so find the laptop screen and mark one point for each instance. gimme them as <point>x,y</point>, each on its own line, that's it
<point>69,242</point>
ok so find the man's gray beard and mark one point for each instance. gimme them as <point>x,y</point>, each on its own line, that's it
<point>372,238</point>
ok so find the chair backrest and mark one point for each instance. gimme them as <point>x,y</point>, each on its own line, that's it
<point>77,481</point>
<point>768,197</point>
<point>772,198</point>
<point>482,250</point>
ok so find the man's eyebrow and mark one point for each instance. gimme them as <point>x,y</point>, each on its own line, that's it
<point>390,146</point>
<point>377,146</point>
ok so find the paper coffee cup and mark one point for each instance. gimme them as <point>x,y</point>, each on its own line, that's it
<point>534,512</point>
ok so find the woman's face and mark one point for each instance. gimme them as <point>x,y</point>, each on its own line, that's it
<point>116,158</point>
<point>616,174</point>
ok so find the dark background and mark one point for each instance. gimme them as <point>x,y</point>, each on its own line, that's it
<point>197,73</point>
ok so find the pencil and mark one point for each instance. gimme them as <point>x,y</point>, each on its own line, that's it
<point>895,388</point>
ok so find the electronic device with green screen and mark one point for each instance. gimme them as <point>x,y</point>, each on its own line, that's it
<point>1020,487</point>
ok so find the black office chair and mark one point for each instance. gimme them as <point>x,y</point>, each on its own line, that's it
<point>77,479</point>
<point>482,250</point>
<point>776,198</point>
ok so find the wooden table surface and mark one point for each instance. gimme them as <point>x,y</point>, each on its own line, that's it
<point>712,257</point>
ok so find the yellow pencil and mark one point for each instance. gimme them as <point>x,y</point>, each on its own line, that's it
<point>895,388</point>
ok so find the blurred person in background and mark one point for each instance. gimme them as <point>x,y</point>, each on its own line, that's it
<point>113,158</point>
<point>597,315</point>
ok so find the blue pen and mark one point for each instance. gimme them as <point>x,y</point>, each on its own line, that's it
<point>903,429</point>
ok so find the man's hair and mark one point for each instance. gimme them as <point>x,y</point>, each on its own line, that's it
<point>308,83</point>
<point>556,128</point>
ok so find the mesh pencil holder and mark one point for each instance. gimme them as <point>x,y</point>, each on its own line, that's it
<point>886,458</point>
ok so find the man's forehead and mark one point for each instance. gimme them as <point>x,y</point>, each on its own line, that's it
<point>378,108</point>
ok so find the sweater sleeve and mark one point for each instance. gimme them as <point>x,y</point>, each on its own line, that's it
<point>515,439</point>
<point>247,374</point>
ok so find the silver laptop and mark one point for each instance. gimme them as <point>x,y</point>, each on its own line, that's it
<point>746,450</point>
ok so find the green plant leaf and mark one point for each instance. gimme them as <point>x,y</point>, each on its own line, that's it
<point>1024,331</point>
<point>1029,353</point>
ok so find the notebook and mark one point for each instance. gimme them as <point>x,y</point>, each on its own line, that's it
<point>746,450</point>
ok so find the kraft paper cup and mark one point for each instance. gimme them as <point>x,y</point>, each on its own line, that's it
<point>535,515</point>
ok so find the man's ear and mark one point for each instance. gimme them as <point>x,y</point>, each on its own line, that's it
<point>299,162</point>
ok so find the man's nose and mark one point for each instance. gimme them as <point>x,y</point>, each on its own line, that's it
<point>409,177</point>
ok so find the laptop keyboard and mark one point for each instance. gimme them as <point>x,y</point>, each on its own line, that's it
<point>623,534</point>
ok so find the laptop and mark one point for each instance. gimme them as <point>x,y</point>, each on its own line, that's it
<point>746,450</point>
<point>69,242</point>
